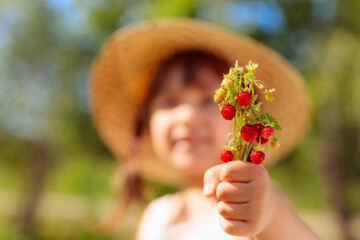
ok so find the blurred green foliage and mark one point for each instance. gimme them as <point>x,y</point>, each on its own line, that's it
<point>46,49</point>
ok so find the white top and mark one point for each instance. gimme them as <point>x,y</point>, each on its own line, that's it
<point>154,224</point>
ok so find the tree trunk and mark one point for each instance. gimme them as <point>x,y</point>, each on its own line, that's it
<point>36,172</point>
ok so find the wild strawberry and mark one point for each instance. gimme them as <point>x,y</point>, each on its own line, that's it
<point>226,156</point>
<point>269,94</point>
<point>248,133</point>
<point>228,112</point>
<point>267,132</point>
<point>269,97</point>
<point>263,140</point>
<point>258,127</point>
<point>219,95</point>
<point>237,144</point>
<point>244,99</point>
<point>257,157</point>
<point>227,83</point>
<point>275,143</point>
<point>254,116</point>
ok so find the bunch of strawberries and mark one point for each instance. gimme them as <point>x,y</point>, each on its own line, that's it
<point>238,102</point>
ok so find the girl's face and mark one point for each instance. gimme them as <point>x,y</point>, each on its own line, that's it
<point>185,125</point>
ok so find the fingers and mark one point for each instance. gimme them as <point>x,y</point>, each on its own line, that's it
<point>235,192</point>
<point>240,171</point>
<point>235,171</point>
<point>211,180</point>
<point>238,227</point>
<point>235,211</point>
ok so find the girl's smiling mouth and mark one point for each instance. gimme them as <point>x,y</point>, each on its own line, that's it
<point>189,144</point>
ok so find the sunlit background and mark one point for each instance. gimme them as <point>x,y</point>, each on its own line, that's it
<point>55,173</point>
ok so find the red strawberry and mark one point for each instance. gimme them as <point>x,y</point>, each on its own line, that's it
<point>257,157</point>
<point>267,132</point>
<point>263,140</point>
<point>228,112</point>
<point>226,156</point>
<point>259,127</point>
<point>248,133</point>
<point>244,98</point>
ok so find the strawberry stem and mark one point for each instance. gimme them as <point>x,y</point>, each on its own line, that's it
<point>234,137</point>
<point>248,150</point>
<point>244,151</point>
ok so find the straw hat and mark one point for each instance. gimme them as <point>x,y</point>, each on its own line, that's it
<point>123,70</point>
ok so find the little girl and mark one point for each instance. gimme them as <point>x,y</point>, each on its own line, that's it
<point>152,97</point>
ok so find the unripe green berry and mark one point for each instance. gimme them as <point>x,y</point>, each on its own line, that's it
<point>219,95</point>
<point>254,116</point>
<point>269,94</point>
<point>275,143</point>
<point>269,97</point>
<point>227,83</point>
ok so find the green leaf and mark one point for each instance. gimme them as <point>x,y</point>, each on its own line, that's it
<point>263,118</point>
<point>256,107</point>
<point>240,122</point>
<point>232,92</point>
<point>254,98</point>
<point>271,121</point>
<point>237,106</point>
<point>248,75</point>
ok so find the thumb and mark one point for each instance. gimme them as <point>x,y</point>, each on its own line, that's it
<point>211,180</point>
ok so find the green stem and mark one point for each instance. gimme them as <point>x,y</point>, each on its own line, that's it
<point>248,150</point>
<point>244,151</point>
<point>250,116</point>
<point>234,136</point>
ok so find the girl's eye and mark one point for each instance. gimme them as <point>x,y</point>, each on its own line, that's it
<point>167,102</point>
<point>208,101</point>
<point>170,103</point>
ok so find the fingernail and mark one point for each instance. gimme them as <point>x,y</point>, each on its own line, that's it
<point>206,189</point>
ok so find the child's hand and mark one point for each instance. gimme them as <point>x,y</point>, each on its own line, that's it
<point>245,196</point>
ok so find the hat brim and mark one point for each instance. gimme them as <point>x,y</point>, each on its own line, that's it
<point>123,70</point>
